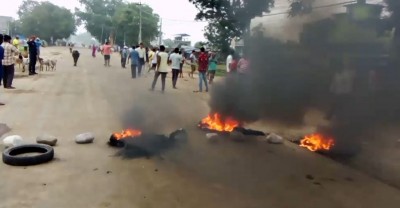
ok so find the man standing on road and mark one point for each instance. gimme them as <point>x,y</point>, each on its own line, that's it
<point>193,63</point>
<point>124,56</point>
<point>142,57</point>
<point>229,60</point>
<point>32,55</point>
<point>176,60</point>
<point>162,68</point>
<point>1,59</point>
<point>134,56</point>
<point>8,62</point>
<point>107,53</point>
<point>203,67</point>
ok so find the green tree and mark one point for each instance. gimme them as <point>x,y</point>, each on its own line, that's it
<point>27,7</point>
<point>47,20</point>
<point>105,18</point>
<point>200,44</point>
<point>229,18</point>
<point>169,43</point>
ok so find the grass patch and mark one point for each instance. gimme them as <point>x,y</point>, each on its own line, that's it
<point>221,70</point>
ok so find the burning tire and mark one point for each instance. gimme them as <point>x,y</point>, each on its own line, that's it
<point>12,156</point>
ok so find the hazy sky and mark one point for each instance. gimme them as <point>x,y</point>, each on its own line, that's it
<point>178,15</point>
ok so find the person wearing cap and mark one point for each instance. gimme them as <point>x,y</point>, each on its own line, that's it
<point>8,62</point>
<point>124,56</point>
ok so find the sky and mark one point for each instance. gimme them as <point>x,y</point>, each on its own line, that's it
<point>178,15</point>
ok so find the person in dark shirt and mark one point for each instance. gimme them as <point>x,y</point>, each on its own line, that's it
<point>1,59</point>
<point>32,55</point>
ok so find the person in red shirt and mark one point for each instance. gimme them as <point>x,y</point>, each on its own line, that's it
<point>203,67</point>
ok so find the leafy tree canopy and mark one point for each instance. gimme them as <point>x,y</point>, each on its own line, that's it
<point>105,18</point>
<point>229,18</point>
<point>46,20</point>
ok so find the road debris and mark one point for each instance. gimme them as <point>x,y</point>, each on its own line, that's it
<point>85,138</point>
<point>47,139</point>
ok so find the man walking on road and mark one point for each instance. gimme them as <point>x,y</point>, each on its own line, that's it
<point>162,68</point>
<point>107,53</point>
<point>142,58</point>
<point>1,60</point>
<point>134,56</point>
<point>8,62</point>
<point>32,55</point>
<point>176,60</point>
<point>193,63</point>
<point>203,67</point>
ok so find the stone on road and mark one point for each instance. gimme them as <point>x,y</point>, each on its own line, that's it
<point>47,139</point>
<point>84,138</point>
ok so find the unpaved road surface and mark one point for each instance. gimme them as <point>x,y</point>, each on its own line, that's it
<point>102,100</point>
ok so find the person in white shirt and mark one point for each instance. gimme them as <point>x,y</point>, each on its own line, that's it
<point>229,60</point>
<point>162,68</point>
<point>154,59</point>
<point>176,60</point>
<point>142,57</point>
<point>193,62</point>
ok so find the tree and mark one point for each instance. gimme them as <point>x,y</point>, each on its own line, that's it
<point>47,20</point>
<point>200,44</point>
<point>27,7</point>
<point>105,18</point>
<point>229,18</point>
<point>169,43</point>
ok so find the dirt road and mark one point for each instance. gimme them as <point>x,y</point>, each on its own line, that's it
<point>102,100</point>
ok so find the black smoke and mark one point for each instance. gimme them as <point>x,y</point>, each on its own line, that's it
<point>286,80</point>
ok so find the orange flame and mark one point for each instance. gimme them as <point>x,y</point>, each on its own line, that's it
<point>127,133</point>
<point>316,142</point>
<point>214,122</point>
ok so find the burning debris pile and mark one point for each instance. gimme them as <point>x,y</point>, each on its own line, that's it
<point>215,123</point>
<point>317,142</point>
<point>134,143</point>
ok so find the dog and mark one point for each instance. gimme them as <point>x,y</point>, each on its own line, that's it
<point>43,63</point>
<point>53,64</point>
<point>19,60</point>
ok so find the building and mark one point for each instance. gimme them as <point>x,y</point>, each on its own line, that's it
<point>182,39</point>
<point>5,24</point>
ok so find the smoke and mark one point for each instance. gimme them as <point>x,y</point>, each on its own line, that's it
<point>286,80</point>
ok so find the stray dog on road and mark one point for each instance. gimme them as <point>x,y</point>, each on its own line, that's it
<point>53,64</point>
<point>19,60</point>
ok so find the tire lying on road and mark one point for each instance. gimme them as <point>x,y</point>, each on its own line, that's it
<point>43,153</point>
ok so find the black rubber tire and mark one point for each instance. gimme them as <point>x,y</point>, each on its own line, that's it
<point>10,155</point>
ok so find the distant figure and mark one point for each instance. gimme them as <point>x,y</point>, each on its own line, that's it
<point>32,55</point>
<point>1,60</point>
<point>193,63</point>
<point>16,42</point>
<point>243,65</point>
<point>124,56</point>
<point>154,59</point>
<point>176,60</point>
<point>134,56</point>
<point>38,45</point>
<point>75,56</point>
<point>162,68</point>
<point>142,57</point>
<point>94,48</point>
<point>182,53</point>
<point>70,47</point>
<point>107,53</point>
<point>212,68</point>
<point>229,60</point>
<point>203,67</point>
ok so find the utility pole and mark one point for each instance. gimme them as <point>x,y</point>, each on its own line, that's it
<point>160,33</point>
<point>102,31</point>
<point>140,22</point>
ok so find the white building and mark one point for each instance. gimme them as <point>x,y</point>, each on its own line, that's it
<point>5,24</point>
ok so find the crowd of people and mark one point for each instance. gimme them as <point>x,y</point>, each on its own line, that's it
<point>142,59</point>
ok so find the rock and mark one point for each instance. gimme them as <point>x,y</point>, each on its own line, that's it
<point>47,139</point>
<point>84,138</point>
<point>12,141</point>
<point>212,137</point>
<point>275,139</point>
